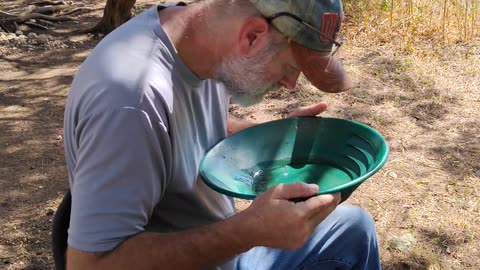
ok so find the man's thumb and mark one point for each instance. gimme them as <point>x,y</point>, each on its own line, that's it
<point>295,190</point>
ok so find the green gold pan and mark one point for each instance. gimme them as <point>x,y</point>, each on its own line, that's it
<point>336,154</point>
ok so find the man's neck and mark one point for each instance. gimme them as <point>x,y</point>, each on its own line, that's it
<point>187,28</point>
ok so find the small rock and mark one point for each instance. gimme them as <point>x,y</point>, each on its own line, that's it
<point>393,175</point>
<point>32,41</point>
<point>42,38</point>
<point>81,38</point>
<point>19,33</point>
<point>23,27</point>
<point>11,36</point>
<point>50,212</point>
<point>32,35</point>
<point>403,242</point>
<point>21,40</point>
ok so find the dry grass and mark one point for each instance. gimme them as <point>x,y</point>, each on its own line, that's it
<point>404,23</point>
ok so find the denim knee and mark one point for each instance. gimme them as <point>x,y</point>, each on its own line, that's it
<point>355,222</point>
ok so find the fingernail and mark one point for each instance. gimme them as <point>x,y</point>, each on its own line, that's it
<point>339,198</point>
<point>313,187</point>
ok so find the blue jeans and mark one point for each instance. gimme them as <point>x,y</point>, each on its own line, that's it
<point>346,239</point>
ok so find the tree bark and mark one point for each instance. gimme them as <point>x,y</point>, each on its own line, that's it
<point>116,12</point>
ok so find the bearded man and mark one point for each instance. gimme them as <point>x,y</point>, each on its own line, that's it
<point>153,97</point>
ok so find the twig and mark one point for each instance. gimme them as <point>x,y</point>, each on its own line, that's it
<point>53,3</point>
<point>46,22</point>
<point>47,9</point>
<point>36,25</point>
<point>7,14</point>
<point>2,26</point>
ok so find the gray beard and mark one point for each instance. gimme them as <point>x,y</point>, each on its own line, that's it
<point>246,79</point>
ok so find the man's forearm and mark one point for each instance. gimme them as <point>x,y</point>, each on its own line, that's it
<point>235,124</point>
<point>194,249</point>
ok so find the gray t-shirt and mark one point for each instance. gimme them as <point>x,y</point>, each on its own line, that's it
<point>137,124</point>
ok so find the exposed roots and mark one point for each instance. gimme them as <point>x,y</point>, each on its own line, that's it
<point>40,14</point>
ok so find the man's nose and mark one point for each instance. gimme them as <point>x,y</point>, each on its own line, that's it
<point>290,80</point>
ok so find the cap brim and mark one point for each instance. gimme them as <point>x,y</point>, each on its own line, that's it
<point>314,65</point>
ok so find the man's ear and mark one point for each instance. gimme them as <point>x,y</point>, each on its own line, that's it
<point>253,35</point>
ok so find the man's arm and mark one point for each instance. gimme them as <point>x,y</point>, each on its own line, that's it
<point>235,124</point>
<point>193,249</point>
<point>214,244</point>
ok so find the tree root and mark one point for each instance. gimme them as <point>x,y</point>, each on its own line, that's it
<point>51,3</point>
<point>30,16</point>
<point>38,13</point>
<point>36,25</point>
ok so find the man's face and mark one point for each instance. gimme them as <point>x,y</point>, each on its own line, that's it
<point>249,78</point>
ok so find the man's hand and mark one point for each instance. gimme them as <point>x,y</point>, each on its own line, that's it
<point>235,124</point>
<point>278,222</point>
<point>311,110</point>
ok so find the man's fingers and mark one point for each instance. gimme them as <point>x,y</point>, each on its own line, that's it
<point>295,190</point>
<point>311,110</point>
<point>323,202</point>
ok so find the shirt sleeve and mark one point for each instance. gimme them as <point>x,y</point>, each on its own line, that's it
<point>122,169</point>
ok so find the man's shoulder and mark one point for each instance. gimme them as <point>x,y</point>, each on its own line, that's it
<point>125,79</point>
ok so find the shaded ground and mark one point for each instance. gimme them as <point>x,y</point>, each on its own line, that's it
<point>426,103</point>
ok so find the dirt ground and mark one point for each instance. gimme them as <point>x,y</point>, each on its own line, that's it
<point>425,201</point>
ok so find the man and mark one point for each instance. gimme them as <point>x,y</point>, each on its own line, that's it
<point>148,103</point>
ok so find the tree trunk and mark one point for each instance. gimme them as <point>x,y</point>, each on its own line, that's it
<point>116,12</point>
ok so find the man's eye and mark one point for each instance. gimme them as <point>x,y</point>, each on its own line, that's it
<point>292,68</point>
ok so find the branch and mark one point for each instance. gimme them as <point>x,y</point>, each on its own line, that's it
<point>27,10</point>
<point>78,10</point>
<point>36,25</point>
<point>7,14</point>
<point>47,9</point>
<point>48,23</point>
<point>52,3</point>
<point>4,27</point>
